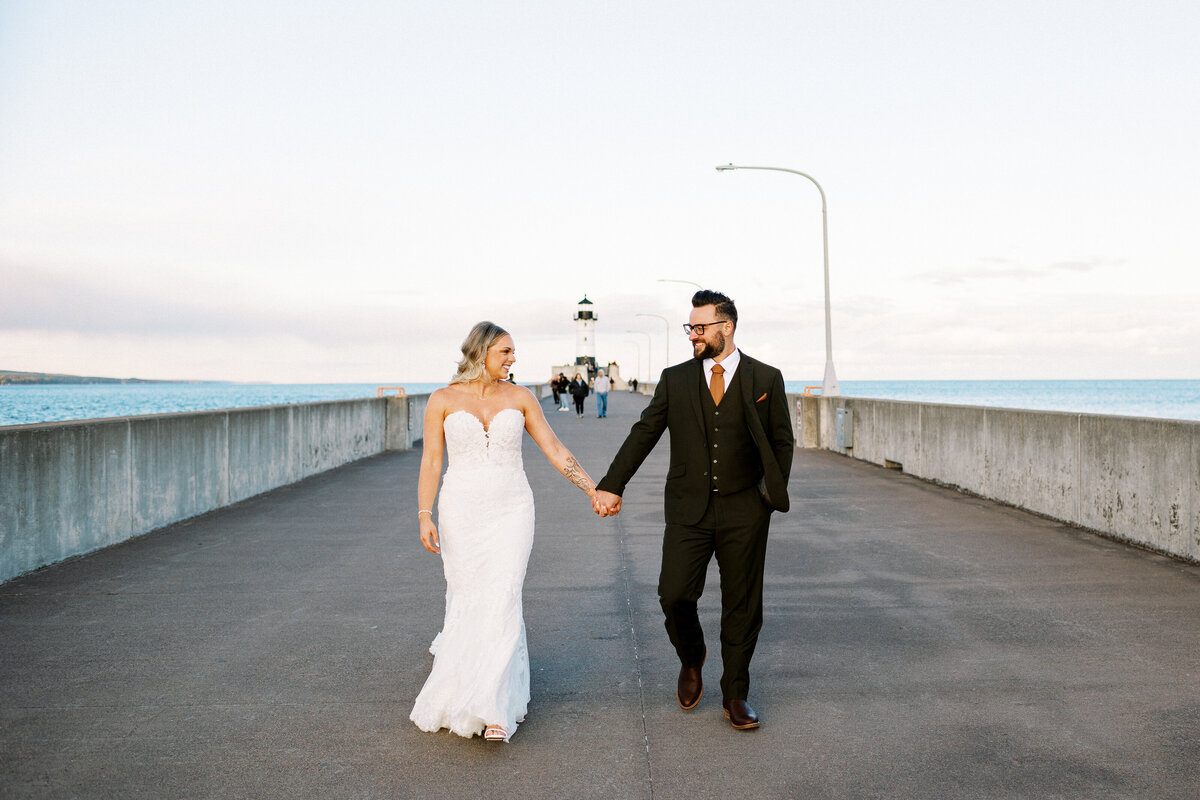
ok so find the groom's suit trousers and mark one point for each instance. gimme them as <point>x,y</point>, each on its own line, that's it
<point>734,529</point>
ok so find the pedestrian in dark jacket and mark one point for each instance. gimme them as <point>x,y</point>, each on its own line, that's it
<point>561,385</point>
<point>579,390</point>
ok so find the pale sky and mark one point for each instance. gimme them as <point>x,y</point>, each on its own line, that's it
<point>336,191</point>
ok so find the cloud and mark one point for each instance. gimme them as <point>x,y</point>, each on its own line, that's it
<point>1084,266</point>
<point>1063,336</point>
<point>1004,269</point>
<point>169,306</point>
<point>192,326</point>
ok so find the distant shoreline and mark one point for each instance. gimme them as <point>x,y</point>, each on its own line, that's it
<point>13,378</point>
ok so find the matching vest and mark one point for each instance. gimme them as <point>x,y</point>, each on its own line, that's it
<point>733,460</point>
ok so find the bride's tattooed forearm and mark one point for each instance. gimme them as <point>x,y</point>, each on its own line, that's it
<point>576,475</point>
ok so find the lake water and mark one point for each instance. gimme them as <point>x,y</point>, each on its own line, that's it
<point>1170,399</point>
<point>21,405</point>
<point>1166,399</point>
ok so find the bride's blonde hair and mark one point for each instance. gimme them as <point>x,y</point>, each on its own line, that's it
<point>474,350</point>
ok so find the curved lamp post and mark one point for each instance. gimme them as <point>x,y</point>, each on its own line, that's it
<point>667,323</point>
<point>830,385</point>
<point>638,345</point>
<point>649,353</point>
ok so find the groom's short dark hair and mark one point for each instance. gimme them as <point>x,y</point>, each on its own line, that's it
<point>724,306</point>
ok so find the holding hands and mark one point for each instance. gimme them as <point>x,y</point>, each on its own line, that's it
<point>606,504</point>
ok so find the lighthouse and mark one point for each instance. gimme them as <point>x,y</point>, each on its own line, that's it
<point>585,335</point>
<point>585,364</point>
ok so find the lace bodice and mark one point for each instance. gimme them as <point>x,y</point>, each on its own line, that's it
<point>472,446</point>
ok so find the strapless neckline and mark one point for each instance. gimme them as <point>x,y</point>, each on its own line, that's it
<point>486,426</point>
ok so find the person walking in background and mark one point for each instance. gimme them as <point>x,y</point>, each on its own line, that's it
<point>563,386</point>
<point>554,389</point>
<point>602,387</point>
<point>480,677</point>
<point>731,454</point>
<point>579,390</point>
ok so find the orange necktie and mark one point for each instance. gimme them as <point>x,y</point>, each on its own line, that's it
<point>716,384</point>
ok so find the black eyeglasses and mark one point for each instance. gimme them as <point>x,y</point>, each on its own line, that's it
<point>699,327</point>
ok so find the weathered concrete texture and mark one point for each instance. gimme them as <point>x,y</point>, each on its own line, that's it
<point>261,451</point>
<point>71,488</point>
<point>807,420</point>
<point>1142,474</point>
<point>70,480</point>
<point>405,418</point>
<point>1134,479</point>
<point>179,468</point>
<point>1033,460</point>
<point>918,643</point>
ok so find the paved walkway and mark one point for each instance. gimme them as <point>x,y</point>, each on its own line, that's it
<point>918,644</point>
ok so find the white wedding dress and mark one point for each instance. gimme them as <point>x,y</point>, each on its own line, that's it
<point>480,673</point>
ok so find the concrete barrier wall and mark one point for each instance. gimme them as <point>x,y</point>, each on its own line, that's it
<point>1129,478</point>
<point>73,487</point>
<point>405,421</point>
<point>68,488</point>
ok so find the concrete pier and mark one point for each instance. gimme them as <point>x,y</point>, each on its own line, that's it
<point>919,643</point>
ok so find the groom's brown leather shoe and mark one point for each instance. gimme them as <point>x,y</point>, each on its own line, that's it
<point>740,715</point>
<point>690,687</point>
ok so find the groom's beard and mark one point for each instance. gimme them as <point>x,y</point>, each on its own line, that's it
<point>710,349</point>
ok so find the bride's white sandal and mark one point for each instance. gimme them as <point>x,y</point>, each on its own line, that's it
<point>494,733</point>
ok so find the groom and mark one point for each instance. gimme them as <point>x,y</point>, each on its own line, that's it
<point>731,453</point>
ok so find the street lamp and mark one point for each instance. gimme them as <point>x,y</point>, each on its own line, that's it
<point>638,345</point>
<point>830,385</point>
<point>667,323</point>
<point>649,352</point>
<point>674,280</point>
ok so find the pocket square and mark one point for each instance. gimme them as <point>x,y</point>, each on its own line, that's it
<point>764,397</point>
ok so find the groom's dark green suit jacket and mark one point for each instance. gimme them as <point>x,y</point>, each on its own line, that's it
<point>676,407</point>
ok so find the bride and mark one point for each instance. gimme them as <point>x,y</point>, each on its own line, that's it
<point>480,676</point>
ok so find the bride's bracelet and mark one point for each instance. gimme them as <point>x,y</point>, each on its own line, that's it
<point>424,511</point>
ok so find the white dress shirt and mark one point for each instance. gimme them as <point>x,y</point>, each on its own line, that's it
<point>730,364</point>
